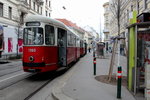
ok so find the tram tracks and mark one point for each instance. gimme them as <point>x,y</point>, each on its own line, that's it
<point>36,91</point>
<point>27,88</point>
<point>56,74</point>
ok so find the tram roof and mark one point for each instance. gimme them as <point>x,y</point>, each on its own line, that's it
<point>39,18</point>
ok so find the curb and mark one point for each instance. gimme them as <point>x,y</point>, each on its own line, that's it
<point>57,92</point>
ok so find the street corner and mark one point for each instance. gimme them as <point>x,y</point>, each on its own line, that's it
<point>57,94</point>
<point>113,81</point>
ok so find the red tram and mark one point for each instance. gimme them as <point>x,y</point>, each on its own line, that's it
<point>1,40</point>
<point>48,45</point>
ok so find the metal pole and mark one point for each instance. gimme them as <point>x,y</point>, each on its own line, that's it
<point>94,62</point>
<point>135,60</point>
<point>119,74</point>
<point>118,62</point>
<point>119,82</point>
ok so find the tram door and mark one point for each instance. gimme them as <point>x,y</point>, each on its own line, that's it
<point>62,47</point>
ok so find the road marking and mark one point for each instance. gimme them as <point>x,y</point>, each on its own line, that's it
<point>11,77</point>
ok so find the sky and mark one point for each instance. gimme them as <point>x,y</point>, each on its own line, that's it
<point>81,12</point>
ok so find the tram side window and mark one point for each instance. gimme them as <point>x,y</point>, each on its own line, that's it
<point>81,43</point>
<point>77,42</point>
<point>70,40</point>
<point>49,35</point>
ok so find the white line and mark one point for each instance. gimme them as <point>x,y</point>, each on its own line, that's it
<point>11,77</point>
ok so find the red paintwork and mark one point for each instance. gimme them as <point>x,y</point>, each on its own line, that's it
<point>77,52</point>
<point>81,51</point>
<point>46,54</point>
<point>71,54</point>
<point>49,55</point>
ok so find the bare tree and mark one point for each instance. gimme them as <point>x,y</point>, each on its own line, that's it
<point>116,8</point>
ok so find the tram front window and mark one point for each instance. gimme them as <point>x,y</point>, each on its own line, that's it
<point>33,36</point>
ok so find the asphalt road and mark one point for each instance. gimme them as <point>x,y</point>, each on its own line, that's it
<point>18,85</point>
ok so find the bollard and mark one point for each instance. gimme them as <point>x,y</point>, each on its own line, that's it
<point>94,62</point>
<point>119,82</point>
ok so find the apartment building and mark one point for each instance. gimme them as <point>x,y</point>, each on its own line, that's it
<point>127,6</point>
<point>106,22</point>
<point>12,14</point>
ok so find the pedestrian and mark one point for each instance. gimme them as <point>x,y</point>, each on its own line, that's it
<point>122,51</point>
<point>98,50</point>
<point>89,49</point>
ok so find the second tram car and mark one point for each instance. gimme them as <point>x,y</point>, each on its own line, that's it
<point>48,45</point>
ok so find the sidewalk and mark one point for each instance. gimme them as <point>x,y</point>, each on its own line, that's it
<point>80,83</point>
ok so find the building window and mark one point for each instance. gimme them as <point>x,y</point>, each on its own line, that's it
<point>22,18</point>
<point>145,4</point>
<point>131,7</point>
<point>1,9</point>
<point>41,10</point>
<point>46,13</point>
<point>106,36</point>
<point>127,15</point>
<point>34,5</point>
<point>46,2</point>
<point>138,6</point>
<point>49,3</point>
<point>38,9</point>
<point>26,1</point>
<point>10,12</point>
<point>30,3</point>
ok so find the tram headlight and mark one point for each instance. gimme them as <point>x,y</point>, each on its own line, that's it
<point>31,58</point>
<point>42,58</point>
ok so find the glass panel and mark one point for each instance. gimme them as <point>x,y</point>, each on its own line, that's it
<point>33,36</point>
<point>71,40</point>
<point>49,35</point>
<point>1,9</point>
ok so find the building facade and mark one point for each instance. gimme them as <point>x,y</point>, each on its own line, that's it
<point>12,14</point>
<point>106,22</point>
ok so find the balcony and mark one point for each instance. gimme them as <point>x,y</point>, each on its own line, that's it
<point>23,6</point>
<point>40,2</point>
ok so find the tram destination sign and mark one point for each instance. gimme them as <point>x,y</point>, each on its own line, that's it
<point>32,23</point>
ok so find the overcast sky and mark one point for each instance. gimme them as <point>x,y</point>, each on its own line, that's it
<point>81,12</point>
